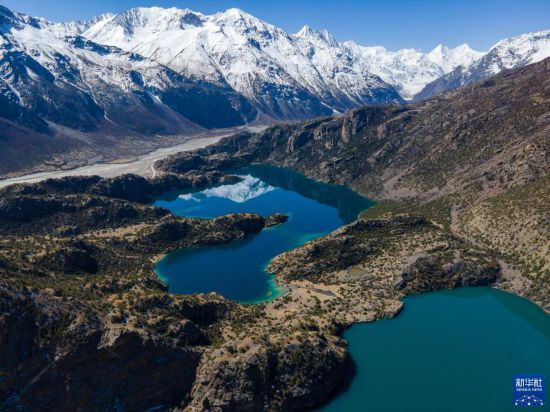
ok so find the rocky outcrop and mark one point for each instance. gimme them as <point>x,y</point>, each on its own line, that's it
<point>449,266</point>
<point>275,219</point>
<point>172,232</point>
<point>53,356</point>
<point>431,272</point>
<point>284,376</point>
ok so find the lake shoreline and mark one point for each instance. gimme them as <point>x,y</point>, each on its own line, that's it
<point>325,296</point>
<point>349,365</point>
<point>265,190</point>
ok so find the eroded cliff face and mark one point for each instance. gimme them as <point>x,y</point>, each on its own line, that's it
<point>279,374</point>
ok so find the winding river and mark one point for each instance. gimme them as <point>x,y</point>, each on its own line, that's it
<point>449,350</point>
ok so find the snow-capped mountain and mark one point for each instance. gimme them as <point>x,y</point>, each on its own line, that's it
<point>339,75</point>
<point>49,71</point>
<point>510,53</point>
<point>409,70</point>
<point>278,71</point>
<point>164,71</point>
<point>252,55</point>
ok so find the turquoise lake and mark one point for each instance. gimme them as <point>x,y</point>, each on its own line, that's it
<point>236,270</point>
<point>450,351</point>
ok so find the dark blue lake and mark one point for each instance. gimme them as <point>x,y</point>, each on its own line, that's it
<point>237,270</point>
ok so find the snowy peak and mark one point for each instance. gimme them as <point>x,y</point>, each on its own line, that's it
<point>448,59</point>
<point>141,20</point>
<point>237,15</point>
<point>158,19</point>
<point>304,32</point>
<point>251,56</point>
<point>520,50</point>
<point>313,35</point>
<point>509,53</point>
<point>409,70</point>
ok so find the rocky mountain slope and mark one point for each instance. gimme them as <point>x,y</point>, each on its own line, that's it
<point>256,58</point>
<point>507,54</point>
<point>67,96</point>
<point>252,55</point>
<point>450,158</point>
<point>51,74</point>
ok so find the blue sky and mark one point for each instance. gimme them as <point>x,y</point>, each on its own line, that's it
<point>390,23</point>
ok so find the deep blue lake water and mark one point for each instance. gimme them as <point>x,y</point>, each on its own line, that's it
<point>451,351</point>
<point>236,270</point>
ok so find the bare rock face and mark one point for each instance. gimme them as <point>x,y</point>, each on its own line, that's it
<point>429,273</point>
<point>272,376</point>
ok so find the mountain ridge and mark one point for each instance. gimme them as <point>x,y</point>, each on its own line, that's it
<point>349,50</point>
<point>255,58</point>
